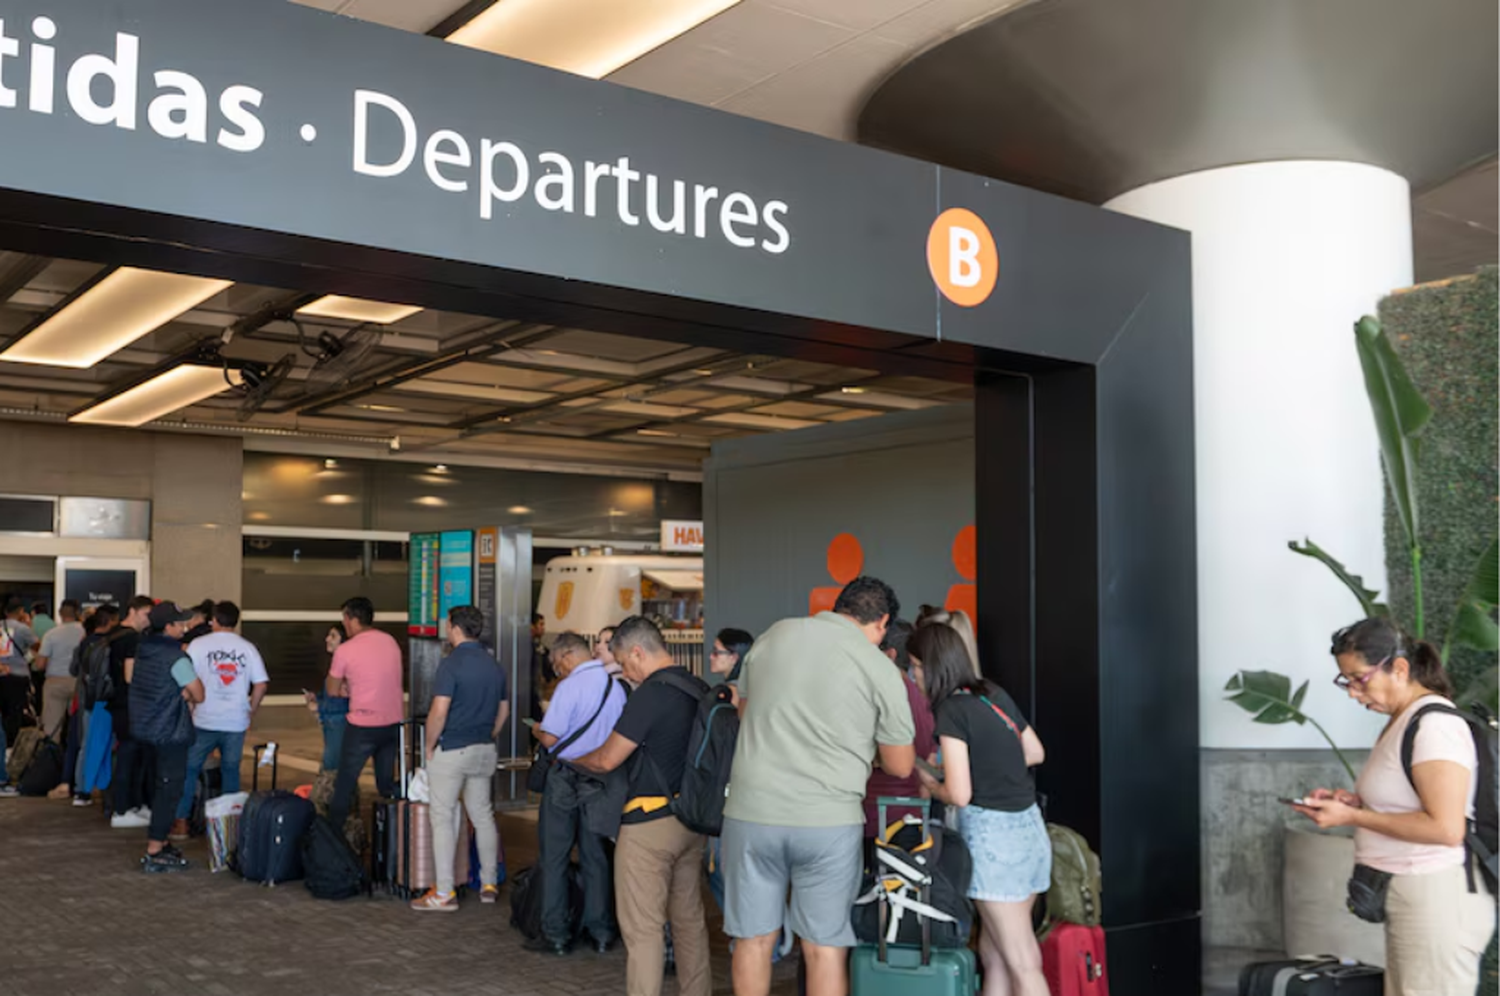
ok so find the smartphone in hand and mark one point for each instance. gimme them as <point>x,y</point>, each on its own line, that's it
<point>935,773</point>
<point>1292,802</point>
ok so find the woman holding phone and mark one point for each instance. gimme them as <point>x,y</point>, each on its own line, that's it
<point>1409,854</point>
<point>998,816</point>
<point>332,712</point>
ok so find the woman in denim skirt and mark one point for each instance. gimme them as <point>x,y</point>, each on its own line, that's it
<point>998,815</point>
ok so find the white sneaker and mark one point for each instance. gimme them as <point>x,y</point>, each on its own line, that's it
<point>144,812</point>
<point>82,800</point>
<point>132,820</point>
<point>9,791</point>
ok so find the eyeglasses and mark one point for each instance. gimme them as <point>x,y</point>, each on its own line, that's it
<point>1344,682</point>
<point>720,653</point>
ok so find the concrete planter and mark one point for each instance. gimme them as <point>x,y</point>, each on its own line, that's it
<point>1315,876</point>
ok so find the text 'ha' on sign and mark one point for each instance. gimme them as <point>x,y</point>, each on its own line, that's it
<point>681,536</point>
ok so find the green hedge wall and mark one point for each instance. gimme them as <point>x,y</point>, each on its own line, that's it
<point>1448,335</point>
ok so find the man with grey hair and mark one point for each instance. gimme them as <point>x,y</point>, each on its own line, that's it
<point>582,713</point>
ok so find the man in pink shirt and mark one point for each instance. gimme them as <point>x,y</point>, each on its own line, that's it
<point>367,671</point>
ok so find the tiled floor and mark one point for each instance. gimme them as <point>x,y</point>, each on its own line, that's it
<point>81,918</point>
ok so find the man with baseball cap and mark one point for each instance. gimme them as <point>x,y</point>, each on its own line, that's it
<point>162,686</point>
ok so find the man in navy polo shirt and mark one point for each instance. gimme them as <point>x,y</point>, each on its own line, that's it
<point>470,703</point>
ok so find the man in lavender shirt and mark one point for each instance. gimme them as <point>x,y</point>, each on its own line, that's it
<point>584,709</point>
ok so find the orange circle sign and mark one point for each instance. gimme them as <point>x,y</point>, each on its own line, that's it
<point>962,258</point>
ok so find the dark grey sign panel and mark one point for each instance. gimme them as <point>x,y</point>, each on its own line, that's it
<point>275,116</point>
<point>91,588</point>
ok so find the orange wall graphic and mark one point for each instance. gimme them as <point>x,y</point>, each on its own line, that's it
<point>965,597</point>
<point>846,558</point>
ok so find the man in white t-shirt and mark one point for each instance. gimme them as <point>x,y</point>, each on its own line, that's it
<point>234,681</point>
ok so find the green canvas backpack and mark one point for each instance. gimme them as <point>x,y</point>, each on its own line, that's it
<point>1076,889</point>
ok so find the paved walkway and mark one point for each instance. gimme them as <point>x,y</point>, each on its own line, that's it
<point>81,918</point>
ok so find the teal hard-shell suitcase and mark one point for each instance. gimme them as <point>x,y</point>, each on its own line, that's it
<point>947,972</point>
<point>906,970</point>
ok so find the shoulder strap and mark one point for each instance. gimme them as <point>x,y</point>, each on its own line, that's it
<point>1001,713</point>
<point>609,686</point>
<point>684,683</point>
<point>1409,739</point>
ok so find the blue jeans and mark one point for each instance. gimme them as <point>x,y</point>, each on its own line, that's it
<point>333,739</point>
<point>230,745</point>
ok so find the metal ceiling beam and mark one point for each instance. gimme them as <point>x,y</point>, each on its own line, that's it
<point>23,272</point>
<point>760,401</point>
<point>476,347</point>
<point>463,15</point>
<point>477,424</point>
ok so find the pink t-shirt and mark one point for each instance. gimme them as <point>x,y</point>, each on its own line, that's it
<point>1384,788</point>
<point>371,662</point>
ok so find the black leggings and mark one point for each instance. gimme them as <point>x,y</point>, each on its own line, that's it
<point>15,699</point>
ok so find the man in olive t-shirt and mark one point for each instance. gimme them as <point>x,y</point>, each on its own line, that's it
<point>822,703</point>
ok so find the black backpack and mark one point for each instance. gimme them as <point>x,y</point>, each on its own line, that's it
<point>331,868</point>
<point>45,771</point>
<point>920,868</point>
<point>94,676</point>
<point>1482,840</point>
<point>705,775</point>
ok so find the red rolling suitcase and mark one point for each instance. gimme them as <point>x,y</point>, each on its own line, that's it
<point>1073,960</point>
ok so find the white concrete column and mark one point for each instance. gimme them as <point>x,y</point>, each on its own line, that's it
<point>1286,257</point>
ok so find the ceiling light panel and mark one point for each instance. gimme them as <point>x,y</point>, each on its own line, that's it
<point>165,393</point>
<point>354,309</point>
<point>589,37</point>
<point>109,316</point>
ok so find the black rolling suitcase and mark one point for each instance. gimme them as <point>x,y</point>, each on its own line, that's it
<point>1311,977</point>
<point>271,830</point>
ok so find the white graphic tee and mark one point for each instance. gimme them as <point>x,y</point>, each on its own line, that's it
<point>227,664</point>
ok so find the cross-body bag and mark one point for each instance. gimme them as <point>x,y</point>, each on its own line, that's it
<point>541,764</point>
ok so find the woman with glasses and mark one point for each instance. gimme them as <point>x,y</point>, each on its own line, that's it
<point>1409,832</point>
<point>727,656</point>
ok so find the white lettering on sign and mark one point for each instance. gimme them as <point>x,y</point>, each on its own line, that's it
<point>128,87</point>
<point>504,175</point>
<point>105,89</point>
<point>963,257</point>
<point>681,536</point>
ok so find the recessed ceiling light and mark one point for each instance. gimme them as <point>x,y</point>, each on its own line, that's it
<point>519,510</point>
<point>615,513</point>
<point>110,315</point>
<point>330,464</point>
<point>852,390</point>
<point>441,468</point>
<point>381,408</point>
<point>356,309</point>
<point>168,391</point>
<point>651,432</point>
<point>589,37</point>
<point>338,499</point>
<point>432,501</point>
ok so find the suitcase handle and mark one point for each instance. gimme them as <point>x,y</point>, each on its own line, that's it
<point>925,894</point>
<point>260,749</point>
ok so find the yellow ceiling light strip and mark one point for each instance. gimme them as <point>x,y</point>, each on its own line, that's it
<point>356,309</point>
<point>589,37</point>
<point>110,315</point>
<point>165,393</point>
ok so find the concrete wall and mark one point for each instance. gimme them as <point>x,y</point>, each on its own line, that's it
<point>1243,838</point>
<point>192,482</point>
<point>903,485</point>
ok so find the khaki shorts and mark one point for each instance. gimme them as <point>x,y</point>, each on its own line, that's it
<point>1435,932</point>
<point>821,865</point>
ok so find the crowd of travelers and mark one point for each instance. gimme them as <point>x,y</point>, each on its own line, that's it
<point>834,711</point>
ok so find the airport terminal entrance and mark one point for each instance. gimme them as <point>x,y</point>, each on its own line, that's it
<point>370,164</point>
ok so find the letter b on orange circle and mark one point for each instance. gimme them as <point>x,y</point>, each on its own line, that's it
<point>961,257</point>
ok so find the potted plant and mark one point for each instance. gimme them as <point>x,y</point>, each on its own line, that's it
<point>1318,863</point>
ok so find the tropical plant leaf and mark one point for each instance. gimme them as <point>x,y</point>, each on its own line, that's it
<point>1483,690</point>
<point>1266,695</point>
<point>1356,584</point>
<point>1400,413</point>
<point>1473,623</point>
